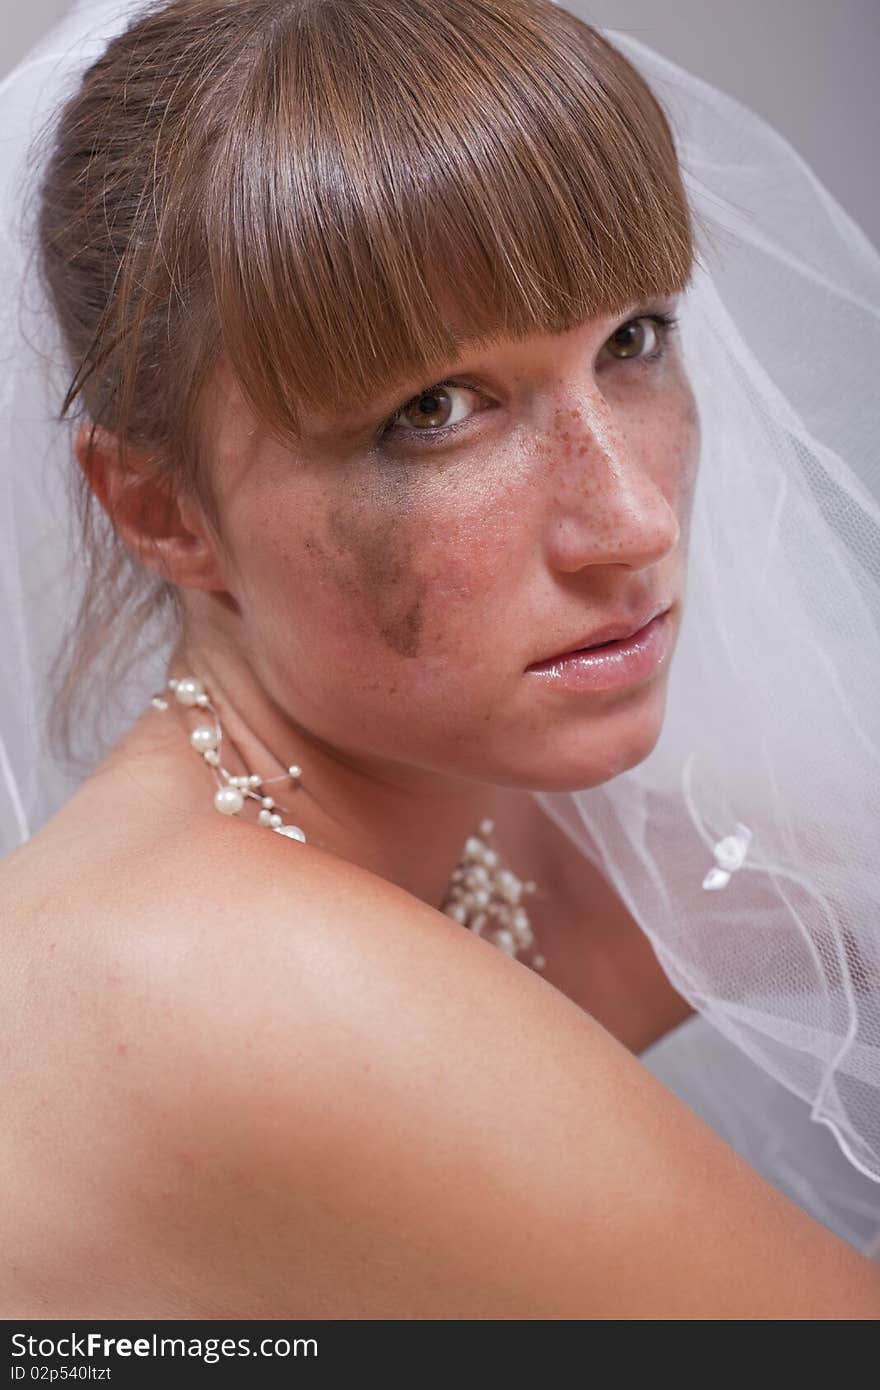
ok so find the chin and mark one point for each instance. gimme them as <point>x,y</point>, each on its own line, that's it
<point>599,752</point>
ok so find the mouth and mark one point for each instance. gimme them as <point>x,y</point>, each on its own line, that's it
<point>616,663</point>
<point>609,637</point>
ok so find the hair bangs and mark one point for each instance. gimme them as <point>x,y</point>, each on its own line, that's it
<point>388,163</point>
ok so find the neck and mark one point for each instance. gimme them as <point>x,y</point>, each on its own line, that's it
<point>406,824</point>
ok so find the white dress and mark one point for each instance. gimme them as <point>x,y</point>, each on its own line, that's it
<point>770,1128</point>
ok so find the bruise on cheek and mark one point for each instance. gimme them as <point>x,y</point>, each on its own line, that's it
<point>372,564</point>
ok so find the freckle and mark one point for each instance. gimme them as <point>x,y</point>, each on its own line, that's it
<point>122,1049</point>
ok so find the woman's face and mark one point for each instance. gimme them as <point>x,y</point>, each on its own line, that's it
<point>390,593</point>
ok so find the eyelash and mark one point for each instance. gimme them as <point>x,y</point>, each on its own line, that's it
<point>666,323</point>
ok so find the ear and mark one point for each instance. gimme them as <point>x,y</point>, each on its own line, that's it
<point>166,533</point>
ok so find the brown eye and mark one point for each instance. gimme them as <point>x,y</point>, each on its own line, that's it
<point>431,409</point>
<point>629,340</point>
<point>432,412</point>
<point>431,416</point>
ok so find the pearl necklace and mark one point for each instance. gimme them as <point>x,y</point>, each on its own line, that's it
<point>482,895</point>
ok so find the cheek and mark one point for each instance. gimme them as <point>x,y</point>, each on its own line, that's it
<point>369,568</point>
<point>665,438</point>
<point>394,571</point>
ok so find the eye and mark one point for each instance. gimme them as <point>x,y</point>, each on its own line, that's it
<point>630,337</point>
<point>432,412</point>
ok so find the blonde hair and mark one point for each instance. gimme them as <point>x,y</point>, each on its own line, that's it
<point>290,186</point>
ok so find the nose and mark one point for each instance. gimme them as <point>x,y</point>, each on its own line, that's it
<point>608,501</point>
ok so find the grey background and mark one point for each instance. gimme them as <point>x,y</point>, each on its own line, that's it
<point>808,66</point>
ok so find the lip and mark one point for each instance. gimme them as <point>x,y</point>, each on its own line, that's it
<point>617,630</point>
<point>620,664</point>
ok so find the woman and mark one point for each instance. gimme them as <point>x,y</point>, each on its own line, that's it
<point>390,433</point>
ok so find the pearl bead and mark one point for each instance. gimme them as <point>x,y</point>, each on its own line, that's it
<point>158,703</point>
<point>295,772</point>
<point>202,700</point>
<point>490,859</point>
<point>504,939</point>
<point>458,912</point>
<point>275,821</point>
<point>508,885</point>
<point>265,818</point>
<point>523,933</point>
<point>268,802</point>
<point>228,800</point>
<point>473,848</point>
<point>212,757</point>
<point>486,827</point>
<point>188,690</point>
<point>293,832</point>
<point>255,779</point>
<point>203,738</point>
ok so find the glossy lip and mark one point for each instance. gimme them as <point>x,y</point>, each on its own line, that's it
<point>627,625</point>
<point>618,665</point>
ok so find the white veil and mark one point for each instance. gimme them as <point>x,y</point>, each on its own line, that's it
<point>747,845</point>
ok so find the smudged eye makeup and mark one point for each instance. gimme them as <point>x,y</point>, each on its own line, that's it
<point>434,405</point>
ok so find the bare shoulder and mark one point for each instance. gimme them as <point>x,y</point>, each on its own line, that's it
<point>311,1095</point>
<point>383,1116</point>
